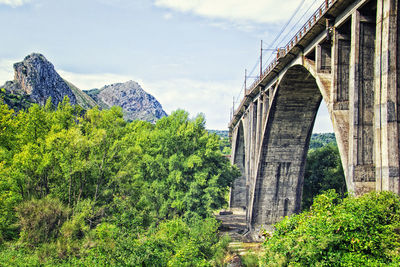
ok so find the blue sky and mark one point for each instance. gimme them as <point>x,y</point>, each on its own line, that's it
<point>189,54</point>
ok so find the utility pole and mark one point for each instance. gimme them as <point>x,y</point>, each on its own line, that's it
<point>233,106</point>
<point>261,52</point>
<point>245,81</point>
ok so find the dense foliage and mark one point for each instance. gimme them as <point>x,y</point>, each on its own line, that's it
<point>323,171</point>
<point>89,188</point>
<point>362,231</point>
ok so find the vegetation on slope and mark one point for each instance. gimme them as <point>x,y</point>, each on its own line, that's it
<point>16,101</point>
<point>84,100</point>
<point>322,139</point>
<point>93,189</point>
<point>363,231</point>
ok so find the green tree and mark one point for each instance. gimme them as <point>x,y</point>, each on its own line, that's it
<point>82,180</point>
<point>323,171</point>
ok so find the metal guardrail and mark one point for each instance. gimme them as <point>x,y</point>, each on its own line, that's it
<point>282,52</point>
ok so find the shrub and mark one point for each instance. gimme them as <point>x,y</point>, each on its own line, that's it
<point>41,220</point>
<point>361,231</point>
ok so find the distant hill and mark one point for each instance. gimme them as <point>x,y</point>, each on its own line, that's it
<point>220,133</point>
<point>317,139</point>
<point>35,80</point>
<point>321,139</point>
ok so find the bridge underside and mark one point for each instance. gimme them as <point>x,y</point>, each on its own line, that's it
<point>279,181</point>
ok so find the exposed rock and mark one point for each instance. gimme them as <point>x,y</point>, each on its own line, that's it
<point>235,262</point>
<point>36,77</point>
<point>35,80</point>
<point>135,102</point>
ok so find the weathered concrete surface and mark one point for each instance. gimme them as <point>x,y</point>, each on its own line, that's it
<point>284,148</point>
<point>350,59</point>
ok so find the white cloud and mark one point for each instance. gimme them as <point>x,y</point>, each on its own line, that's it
<point>168,16</point>
<point>6,70</point>
<point>259,11</point>
<point>14,3</point>
<point>323,123</point>
<point>214,99</point>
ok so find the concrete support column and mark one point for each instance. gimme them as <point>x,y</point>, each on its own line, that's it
<point>253,137</point>
<point>387,100</point>
<point>265,109</point>
<point>259,125</point>
<point>247,137</point>
<point>361,170</point>
<point>341,67</point>
<point>339,94</point>
<point>323,57</point>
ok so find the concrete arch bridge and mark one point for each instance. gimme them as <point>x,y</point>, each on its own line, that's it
<point>347,56</point>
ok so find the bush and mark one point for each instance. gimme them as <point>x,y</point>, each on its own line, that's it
<point>41,220</point>
<point>362,231</point>
<point>174,242</point>
<point>73,231</point>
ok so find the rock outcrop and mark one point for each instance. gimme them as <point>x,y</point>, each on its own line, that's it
<point>135,102</point>
<point>36,77</point>
<point>35,80</point>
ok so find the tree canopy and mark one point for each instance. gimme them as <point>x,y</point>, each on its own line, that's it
<point>80,179</point>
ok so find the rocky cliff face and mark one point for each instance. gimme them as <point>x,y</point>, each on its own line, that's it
<point>36,77</point>
<point>35,80</point>
<point>135,102</point>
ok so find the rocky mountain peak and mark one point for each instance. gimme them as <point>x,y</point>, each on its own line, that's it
<point>136,103</point>
<point>36,77</point>
<point>35,80</point>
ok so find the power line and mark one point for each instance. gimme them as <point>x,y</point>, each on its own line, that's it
<point>275,40</point>
<point>297,23</point>
<point>283,29</point>
<point>252,70</point>
<point>287,23</point>
<point>291,30</point>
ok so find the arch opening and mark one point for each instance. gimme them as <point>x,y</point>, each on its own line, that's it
<point>238,194</point>
<point>277,191</point>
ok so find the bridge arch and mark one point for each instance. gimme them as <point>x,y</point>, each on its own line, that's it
<point>347,54</point>
<point>238,195</point>
<point>277,190</point>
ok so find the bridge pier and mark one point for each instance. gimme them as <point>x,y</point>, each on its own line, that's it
<point>387,96</point>
<point>361,169</point>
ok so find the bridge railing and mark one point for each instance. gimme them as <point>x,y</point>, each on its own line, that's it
<point>282,52</point>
